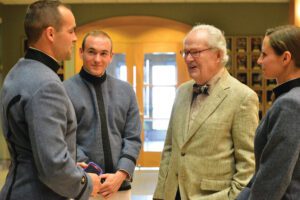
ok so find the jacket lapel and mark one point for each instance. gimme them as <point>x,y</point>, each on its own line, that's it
<point>218,94</point>
<point>184,107</point>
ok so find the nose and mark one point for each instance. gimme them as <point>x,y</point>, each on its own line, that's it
<point>97,57</point>
<point>188,58</point>
<point>75,37</point>
<point>259,60</point>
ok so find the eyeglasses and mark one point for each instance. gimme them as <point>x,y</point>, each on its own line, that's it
<point>194,54</point>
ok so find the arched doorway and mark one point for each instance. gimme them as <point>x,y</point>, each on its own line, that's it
<point>147,56</point>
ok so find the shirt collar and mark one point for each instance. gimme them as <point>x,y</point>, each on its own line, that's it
<point>214,80</point>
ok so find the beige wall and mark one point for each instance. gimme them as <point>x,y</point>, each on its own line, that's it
<point>233,18</point>
<point>3,149</point>
<point>1,48</point>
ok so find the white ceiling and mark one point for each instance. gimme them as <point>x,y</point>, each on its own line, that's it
<point>147,1</point>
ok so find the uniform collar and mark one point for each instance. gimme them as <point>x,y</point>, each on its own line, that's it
<point>286,87</point>
<point>95,80</point>
<point>40,56</point>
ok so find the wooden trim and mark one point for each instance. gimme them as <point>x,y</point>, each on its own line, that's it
<point>297,12</point>
<point>294,14</point>
<point>135,36</point>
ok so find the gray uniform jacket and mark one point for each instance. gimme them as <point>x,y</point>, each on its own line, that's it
<point>277,149</point>
<point>39,125</point>
<point>123,121</point>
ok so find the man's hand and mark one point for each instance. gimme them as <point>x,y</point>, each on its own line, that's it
<point>96,183</point>
<point>112,183</point>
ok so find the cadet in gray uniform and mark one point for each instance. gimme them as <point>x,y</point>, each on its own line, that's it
<point>38,118</point>
<point>277,140</point>
<point>108,117</point>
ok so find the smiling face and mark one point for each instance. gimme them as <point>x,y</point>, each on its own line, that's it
<point>272,64</point>
<point>202,66</point>
<point>96,55</point>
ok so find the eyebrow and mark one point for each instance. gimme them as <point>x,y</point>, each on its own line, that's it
<point>192,49</point>
<point>93,49</point>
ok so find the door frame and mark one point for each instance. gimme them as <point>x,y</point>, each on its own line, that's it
<point>135,36</point>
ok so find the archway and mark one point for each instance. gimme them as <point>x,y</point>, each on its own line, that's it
<point>148,48</point>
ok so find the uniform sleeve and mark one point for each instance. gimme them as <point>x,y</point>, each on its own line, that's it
<point>131,137</point>
<point>243,130</point>
<point>47,117</point>
<point>80,156</point>
<point>281,152</point>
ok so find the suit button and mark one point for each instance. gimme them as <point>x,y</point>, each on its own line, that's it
<point>176,174</point>
<point>83,180</point>
<point>182,154</point>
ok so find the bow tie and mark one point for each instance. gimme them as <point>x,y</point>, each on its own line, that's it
<point>200,89</point>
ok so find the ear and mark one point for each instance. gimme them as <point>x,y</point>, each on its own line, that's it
<point>49,31</point>
<point>81,52</point>
<point>286,57</point>
<point>111,57</point>
<point>219,56</point>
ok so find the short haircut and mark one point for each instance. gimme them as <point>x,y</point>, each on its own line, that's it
<point>285,38</point>
<point>96,33</point>
<point>40,15</point>
<point>216,39</point>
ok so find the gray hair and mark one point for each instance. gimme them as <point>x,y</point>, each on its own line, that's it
<point>216,39</point>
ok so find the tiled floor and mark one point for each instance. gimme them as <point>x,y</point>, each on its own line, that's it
<point>143,185</point>
<point>144,182</point>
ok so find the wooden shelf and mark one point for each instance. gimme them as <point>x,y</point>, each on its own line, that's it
<point>243,53</point>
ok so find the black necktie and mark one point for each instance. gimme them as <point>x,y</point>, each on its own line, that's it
<point>108,163</point>
<point>199,89</point>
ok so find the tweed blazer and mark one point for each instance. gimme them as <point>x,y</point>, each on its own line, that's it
<point>123,122</point>
<point>214,160</point>
<point>39,124</point>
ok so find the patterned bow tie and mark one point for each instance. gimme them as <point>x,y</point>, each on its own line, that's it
<point>200,89</point>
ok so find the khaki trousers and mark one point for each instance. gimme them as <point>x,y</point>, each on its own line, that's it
<point>121,195</point>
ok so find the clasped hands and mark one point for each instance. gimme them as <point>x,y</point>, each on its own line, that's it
<point>106,184</point>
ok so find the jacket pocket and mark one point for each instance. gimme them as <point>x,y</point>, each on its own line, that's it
<point>214,185</point>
